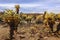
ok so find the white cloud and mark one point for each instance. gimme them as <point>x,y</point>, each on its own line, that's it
<point>21,5</point>
<point>7,5</point>
<point>31,5</point>
<point>36,7</point>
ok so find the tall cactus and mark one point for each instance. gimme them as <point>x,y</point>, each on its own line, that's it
<point>44,15</point>
<point>12,20</point>
<point>17,8</point>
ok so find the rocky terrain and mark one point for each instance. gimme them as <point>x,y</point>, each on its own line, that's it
<point>29,32</point>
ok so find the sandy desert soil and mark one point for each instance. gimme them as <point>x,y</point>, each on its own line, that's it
<point>29,32</point>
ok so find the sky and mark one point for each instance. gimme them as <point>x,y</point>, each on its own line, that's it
<point>28,6</point>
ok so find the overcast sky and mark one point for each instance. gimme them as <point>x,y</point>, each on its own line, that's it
<point>32,5</point>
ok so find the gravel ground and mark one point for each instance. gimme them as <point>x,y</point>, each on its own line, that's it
<point>31,32</point>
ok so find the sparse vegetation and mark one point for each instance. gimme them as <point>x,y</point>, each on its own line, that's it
<point>30,26</point>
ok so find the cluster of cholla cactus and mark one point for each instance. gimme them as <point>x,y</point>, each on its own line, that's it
<point>14,18</point>
<point>47,15</point>
<point>51,15</point>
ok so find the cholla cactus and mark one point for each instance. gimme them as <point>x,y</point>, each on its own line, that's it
<point>47,16</point>
<point>58,16</point>
<point>17,8</point>
<point>13,20</point>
